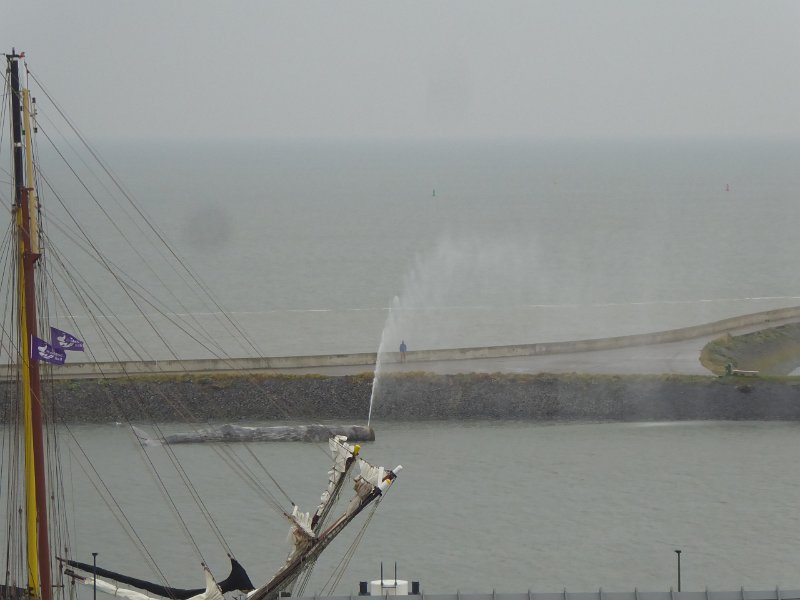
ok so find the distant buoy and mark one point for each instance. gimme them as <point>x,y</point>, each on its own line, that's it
<point>727,187</point>
<point>434,193</point>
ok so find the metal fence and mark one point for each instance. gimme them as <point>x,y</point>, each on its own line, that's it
<point>741,594</point>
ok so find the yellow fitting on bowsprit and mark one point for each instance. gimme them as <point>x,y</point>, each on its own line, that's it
<point>356,449</point>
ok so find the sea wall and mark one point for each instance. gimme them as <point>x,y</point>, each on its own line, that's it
<point>284,364</point>
<point>540,397</point>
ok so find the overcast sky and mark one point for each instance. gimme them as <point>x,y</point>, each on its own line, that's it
<point>407,68</point>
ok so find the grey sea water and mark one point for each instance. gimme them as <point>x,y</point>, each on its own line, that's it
<point>312,245</point>
<point>487,505</point>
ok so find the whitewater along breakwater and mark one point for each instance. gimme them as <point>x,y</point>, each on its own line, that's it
<point>410,396</point>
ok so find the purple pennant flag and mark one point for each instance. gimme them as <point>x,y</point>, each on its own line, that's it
<point>41,350</point>
<point>65,341</point>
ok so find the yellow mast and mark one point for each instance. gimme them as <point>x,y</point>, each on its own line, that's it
<point>27,400</point>
<point>28,253</point>
<point>27,397</point>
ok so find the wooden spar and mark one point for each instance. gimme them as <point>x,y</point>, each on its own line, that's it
<point>36,488</point>
<point>322,512</point>
<point>291,571</point>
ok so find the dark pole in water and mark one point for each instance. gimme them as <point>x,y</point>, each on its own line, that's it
<point>94,564</point>
<point>678,552</point>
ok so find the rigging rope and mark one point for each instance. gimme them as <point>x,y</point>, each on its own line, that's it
<point>111,347</point>
<point>116,510</point>
<point>144,262</point>
<point>55,268</point>
<point>177,464</point>
<point>168,449</point>
<point>154,471</point>
<point>141,213</point>
<point>14,522</point>
<point>336,576</point>
<point>96,255</point>
<point>148,222</point>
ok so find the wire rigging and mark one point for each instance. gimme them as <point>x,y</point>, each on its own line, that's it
<point>141,213</point>
<point>65,291</point>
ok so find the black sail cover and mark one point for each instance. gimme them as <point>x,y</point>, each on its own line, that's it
<point>237,580</point>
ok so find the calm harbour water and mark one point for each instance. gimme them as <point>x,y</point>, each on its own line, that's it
<point>314,246</point>
<point>496,505</point>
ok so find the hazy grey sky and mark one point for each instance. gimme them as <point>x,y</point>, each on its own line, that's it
<point>407,68</point>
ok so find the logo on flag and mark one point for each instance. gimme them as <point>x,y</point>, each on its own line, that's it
<point>41,350</point>
<point>65,341</point>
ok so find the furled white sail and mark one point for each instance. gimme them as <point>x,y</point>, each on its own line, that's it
<point>301,522</point>
<point>307,552</point>
<point>213,591</point>
<point>300,534</point>
<point>341,451</point>
<point>370,473</point>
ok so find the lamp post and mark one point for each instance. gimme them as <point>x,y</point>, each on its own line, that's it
<point>94,567</point>
<point>678,552</point>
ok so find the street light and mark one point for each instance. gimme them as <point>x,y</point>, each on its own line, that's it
<point>94,564</point>
<point>678,552</point>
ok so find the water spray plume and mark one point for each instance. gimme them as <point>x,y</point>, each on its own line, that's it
<point>449,290</point>
<point>385,349</point>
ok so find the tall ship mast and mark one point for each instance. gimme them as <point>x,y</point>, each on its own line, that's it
<point>40,561</point>
<point>25,210</point>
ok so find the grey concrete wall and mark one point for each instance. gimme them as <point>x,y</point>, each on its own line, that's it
<point>367,359</point>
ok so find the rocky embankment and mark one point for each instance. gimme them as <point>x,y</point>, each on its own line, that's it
<point>425,396</point>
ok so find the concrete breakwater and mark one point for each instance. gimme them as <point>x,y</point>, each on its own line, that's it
<point>288,364</point>
<point>411,396</point>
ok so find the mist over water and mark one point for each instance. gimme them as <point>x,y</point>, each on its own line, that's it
<point>455,293</point>
<point>307,244</point>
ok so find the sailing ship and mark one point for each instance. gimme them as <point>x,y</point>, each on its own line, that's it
<point>39,561</point>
